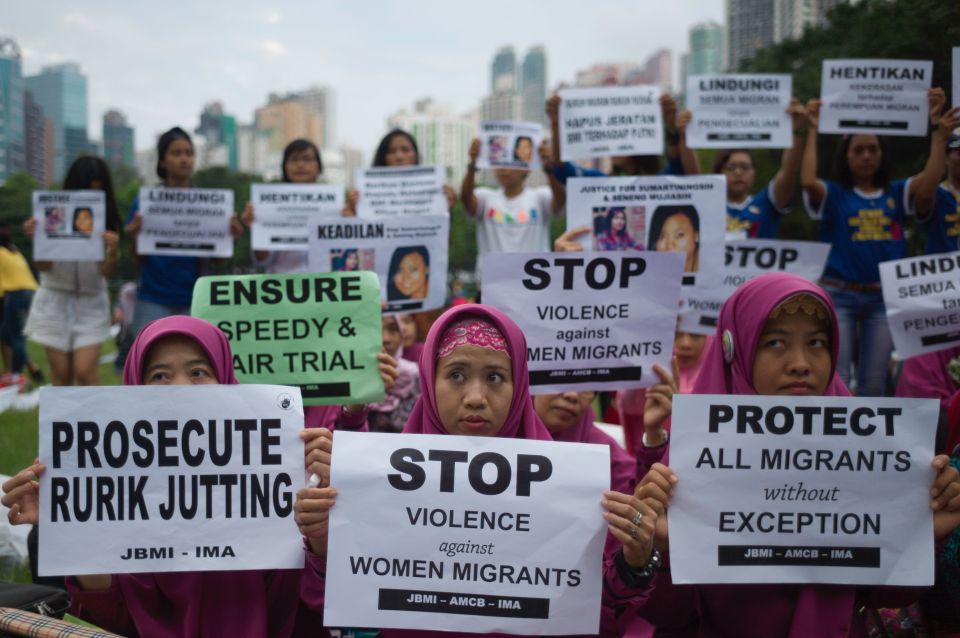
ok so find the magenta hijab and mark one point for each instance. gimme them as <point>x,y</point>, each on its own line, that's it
<point>623,467</point>
<point>741,321</point>
<point>522,420</point>
<point>213,342</point>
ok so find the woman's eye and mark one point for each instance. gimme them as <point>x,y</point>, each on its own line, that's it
<point>818,343</point>
<point>773,343</point>
<point>495,377</point>
<point>200,373</point>
<point>456,375</point>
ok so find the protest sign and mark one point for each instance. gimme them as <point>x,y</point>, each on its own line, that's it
<point>190,222</point>
<point>283,213</point>
<point>320,332</point>
<point>408,253</point>
<point>778,489</point>
<point>883,97</point>
<point>739,111</point>
<point>610,120</point>
<point>390,191</point>
<point>745,259</point>
<point>169,478</point>
<point>486,534</point>
<point>922,297</point>
<point>70,225</point>
<point>509,144</point>
<point>593,321</point>
<point>662,213</point>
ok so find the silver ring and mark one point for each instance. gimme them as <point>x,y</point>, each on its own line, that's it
<point>636,519</point>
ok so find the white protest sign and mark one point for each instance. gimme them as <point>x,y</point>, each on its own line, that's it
<point>169,478</point>
<point>744,260</point>
<point>507,144</point>
<point>739,111</point>
<point>283,213</point>
<point>390,191</point>
<point>922,297</point>
<point>610,120</point>
<point>777,489</point>
<point>662,213</point>
<point>883,97</point>
<point>408,253</point>
<point>595,321</point>
<point>955,71</point>
<point>70,225</point>
<point>189,222</point>
<point>462,533</point>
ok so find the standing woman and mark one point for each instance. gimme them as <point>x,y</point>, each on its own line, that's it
<point>70,314</point>
<point>17,286</point>
<point>862,215</point>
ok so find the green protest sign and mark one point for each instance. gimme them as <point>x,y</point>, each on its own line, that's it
<point>320,332</point>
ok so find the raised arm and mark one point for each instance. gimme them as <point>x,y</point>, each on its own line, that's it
<point>785,181</point>
<point>558,192</point>
<point>688,157</point>
<point>29,228</point>
<point>814,187</point>
<point>469,180</point>
<point>553,114</point>
<point>923,186</point>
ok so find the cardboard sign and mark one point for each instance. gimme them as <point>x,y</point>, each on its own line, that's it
<point>70,225</point>
<point>320,332</point>
<point>739,111</point>
<point>777,489</point>
<point>612,120</point>
<point>593,321</point>
<point>460,533</point>
<point>510,145</point>
<point>189,222</point>
<point>391,191</point>
<point>283,213</point>
<point>883,97</point>
<point>169,478</point>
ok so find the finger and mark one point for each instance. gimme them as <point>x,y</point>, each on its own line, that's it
<point>18,493</point>
<point>653,492</point>
<point>309,434</point>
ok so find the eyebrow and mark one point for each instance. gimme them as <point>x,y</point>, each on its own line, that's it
<point>781,331</point>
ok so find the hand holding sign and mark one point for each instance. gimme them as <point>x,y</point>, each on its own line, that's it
<point>659,401</point>
<point>21,495</point>
<point>632,522</point>
<point>657,485</point>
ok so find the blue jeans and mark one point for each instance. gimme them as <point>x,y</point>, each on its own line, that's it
<point>864,338</point>
<point>16,307</point>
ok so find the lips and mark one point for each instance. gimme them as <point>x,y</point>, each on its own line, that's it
<point>798,388</point>
<point>473,422</point>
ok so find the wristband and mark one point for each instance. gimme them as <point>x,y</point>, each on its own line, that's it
<point>646,441</point>
<point>638,577</point>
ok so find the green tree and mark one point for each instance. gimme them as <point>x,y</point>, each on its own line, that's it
<point>239,183</point>
<point>16,205</point>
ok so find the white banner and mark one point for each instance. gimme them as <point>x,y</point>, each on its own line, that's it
<point>461,533</point>
<point>190,222</point>
<point>883,97</point>
<point>610,120</point>
<point>169,478</point>
<point>284,213</point>
<point>922,297</point>
<point>739,111</point>
<point>70,225</point>
<point>593,321</point>
<point>391,191</point>
<point>507,144</point>
<point>744,260</point>
<point>777,489</point>
<point>408,253</point>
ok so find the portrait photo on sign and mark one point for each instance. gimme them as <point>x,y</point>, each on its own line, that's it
<point>54,220</point>
<point>83,221</point>
<point>409,274</point>
<point>677,229</point>
<point>619,227</point>
<point>523,149</point>
<point>351,259</point>
<point>498,148</point>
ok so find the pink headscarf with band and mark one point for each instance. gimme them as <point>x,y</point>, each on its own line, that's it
<point>742,319</point>
<point>213,342</point>
<point>522,420</point>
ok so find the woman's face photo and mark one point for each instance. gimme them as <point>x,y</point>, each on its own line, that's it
<point>678,235</point>
<point>411,278</point>
<point>524,150</point>
<point>83,221</point>
<point>352,261</point>
<point>618,222</point>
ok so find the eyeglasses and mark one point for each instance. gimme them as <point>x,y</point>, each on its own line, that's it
<point>737,168</point>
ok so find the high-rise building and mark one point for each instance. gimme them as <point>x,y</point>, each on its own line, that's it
<point>11,109</point>
<point>706,50</point>
<point>340,165</point>
<point>38,141</point>
<point>443,136</point>
<point>322,101</point>
<point>503,71</point>
<point>658,70</point>
<point>118,140</point>
<point>533,83</point>
<point>749,28</point>
<point>219,130</point>
<point>285,119</point>
<point>502,106</point>
<point>61,90</point>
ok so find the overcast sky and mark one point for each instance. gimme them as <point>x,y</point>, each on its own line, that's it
<point>160,62</point>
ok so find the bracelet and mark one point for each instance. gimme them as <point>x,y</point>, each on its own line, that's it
<point>638,577</point>
<point>646,441</point>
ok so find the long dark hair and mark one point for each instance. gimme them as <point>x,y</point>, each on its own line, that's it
<point>380,159</point>
<point>663,213</point>
<point>86,170</point>
<point>297,146</point>
<point>168,138</point>
<point>613,212</point>
<point>841,167</point>
<point>6,239</point>
<point>392,292</point>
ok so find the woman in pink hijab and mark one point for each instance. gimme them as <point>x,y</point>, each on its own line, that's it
<point>929,376</point>
<point>777,335</point>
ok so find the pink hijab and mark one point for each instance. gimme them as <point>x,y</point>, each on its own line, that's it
<point>741,321</point>
<point>522,420</point>
<point>208,336</point>
<point>623,467</point>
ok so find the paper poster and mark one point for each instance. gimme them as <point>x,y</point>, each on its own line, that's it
<point>283,213</point>
<point>320,332</point>
<point>739,111</point>
<point>462,533</point>
<point>610,120</point>
<point>391,191</point>
<point>510,145</point>
<point>70,225</point>
<point>777,489</point>
<point>593,321</point>
<point>169,478</point>
<point>882,97</point>
<point>661,213</point>
<point>922,298</point>
<point>744,260</point>
<point>189,222</point>
<point>409,255</point>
